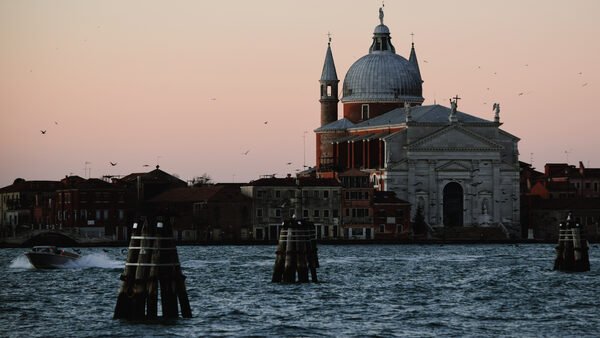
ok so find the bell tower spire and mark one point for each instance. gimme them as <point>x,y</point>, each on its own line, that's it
<point>329,88</point>
<point>412,59</point>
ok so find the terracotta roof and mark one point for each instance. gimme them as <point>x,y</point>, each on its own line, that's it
<point>387,197</point>
<point>28,186</point>
<point>291,182</point>
<point>577,203</point>
<point>200,194</point>
<point>353,172</point>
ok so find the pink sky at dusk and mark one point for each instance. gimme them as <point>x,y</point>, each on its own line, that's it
<point>189,84</point>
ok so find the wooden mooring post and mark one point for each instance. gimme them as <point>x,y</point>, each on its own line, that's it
<point>296,253</point>
<point>152,264</point>
<point>572,250</point>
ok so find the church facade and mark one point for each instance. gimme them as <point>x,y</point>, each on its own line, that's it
<point>456,169</point>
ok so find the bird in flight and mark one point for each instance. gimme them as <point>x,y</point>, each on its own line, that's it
<point>585,84</point>
<point>246,152</point>
<point>43,131</point>
<point>113,163</point>
<point>289,163</point>
<point>521,94</point>
<point>146,165</point>
<point>56,123</point>
<point>266,122</point>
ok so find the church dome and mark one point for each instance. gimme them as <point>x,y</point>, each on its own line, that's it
<point>382,75</point>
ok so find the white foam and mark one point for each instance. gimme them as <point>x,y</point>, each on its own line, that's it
<point>96,260</point>
<point>21,262</point>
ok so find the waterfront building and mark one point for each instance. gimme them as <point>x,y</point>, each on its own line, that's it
<point>549,196</point>
<point>91,208</point>
<point>461,170</point>
<point>391,217</point>
<point>25,205</point>
<point>277,199</point>
<point>212,212</point>
<point>142,187</point>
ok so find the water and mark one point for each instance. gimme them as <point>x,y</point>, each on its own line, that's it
<point>366,290</point>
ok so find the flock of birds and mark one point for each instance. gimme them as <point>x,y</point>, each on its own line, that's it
<point>113,164</point>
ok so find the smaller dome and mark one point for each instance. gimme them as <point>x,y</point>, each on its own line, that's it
<point>381,29</point>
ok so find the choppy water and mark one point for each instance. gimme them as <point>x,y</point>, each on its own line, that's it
<point>370,290</point>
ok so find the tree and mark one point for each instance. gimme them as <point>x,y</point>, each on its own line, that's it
<point>419,225</point>
<point>204,179</point>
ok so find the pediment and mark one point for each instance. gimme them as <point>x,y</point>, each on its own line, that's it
<point>454,166</point>
<point>454,138</point>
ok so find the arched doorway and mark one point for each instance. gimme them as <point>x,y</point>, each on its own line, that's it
<point>453,205</point>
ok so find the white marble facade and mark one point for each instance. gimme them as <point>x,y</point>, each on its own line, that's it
<point>423,159</point>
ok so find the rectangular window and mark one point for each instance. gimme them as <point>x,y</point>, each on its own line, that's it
<point>326,213</point>
<point>316,194</point>
<point>326,194</point>
<point>316,213</point>
<point>277,212</point>
<point>381,227</point>
<point>305,213</point>
<point>336,213</point>
<point>105,213</point>
<point>259,212</point>
<point>98,214</point>
<point>364,111</point>
<point>277,194</point>
<point>121,214</point>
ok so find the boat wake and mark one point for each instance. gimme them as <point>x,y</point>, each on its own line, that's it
<point>95,260</point>
<point>20,262</point>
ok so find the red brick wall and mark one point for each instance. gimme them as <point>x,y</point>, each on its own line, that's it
<point>352,111</point>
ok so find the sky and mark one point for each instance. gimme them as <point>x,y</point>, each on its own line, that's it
<point>230,88</point>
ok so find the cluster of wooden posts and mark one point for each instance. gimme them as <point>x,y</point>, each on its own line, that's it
<point>152,264</point>
<point>572,250</point>
<point>296,253</point>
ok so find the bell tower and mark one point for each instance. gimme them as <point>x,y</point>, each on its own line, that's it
<point>329,89</point>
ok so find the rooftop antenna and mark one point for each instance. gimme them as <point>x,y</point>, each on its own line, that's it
<point>567,152</point>
<point>531,159</point>
<point>304,148</point>
<point>87,171</point>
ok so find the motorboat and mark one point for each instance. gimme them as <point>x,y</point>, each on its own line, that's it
<point>49,257</point>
